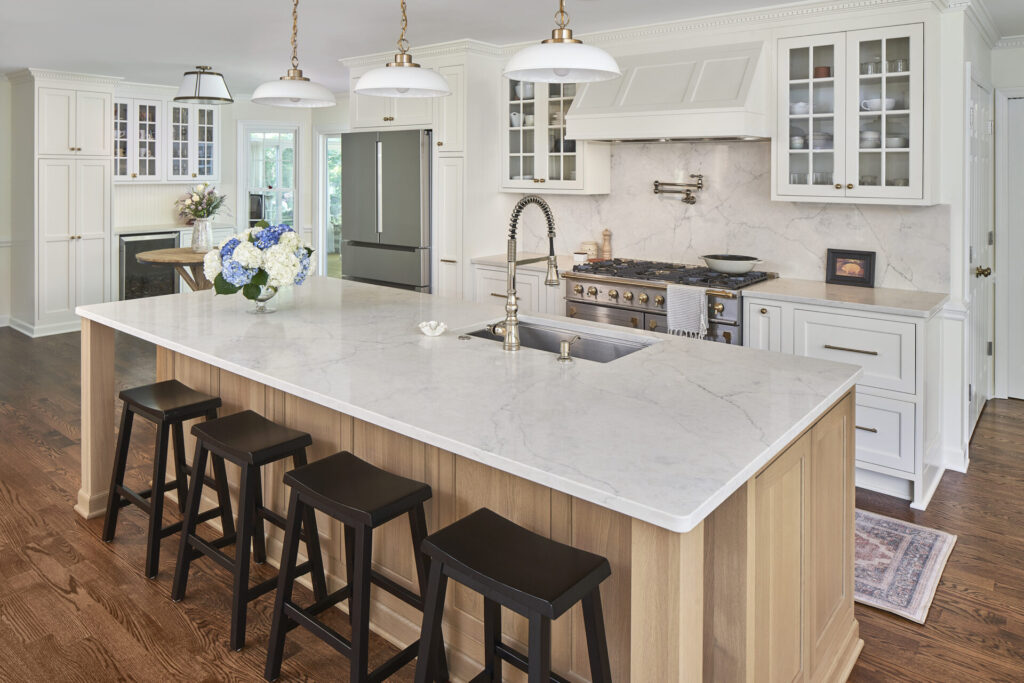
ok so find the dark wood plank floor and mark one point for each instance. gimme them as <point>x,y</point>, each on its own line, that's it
<point>73,608</point>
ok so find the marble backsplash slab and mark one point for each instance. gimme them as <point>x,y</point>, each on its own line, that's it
<point>734,213</point>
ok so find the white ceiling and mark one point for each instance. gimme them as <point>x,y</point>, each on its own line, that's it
<point>1007,15</point>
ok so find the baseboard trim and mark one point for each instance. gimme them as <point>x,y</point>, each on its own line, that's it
<point>957,459</point>
<point>35,331</point>
<point>91,507</point>
<point>5,320</point>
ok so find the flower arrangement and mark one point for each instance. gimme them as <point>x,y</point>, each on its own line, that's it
<point>259,261</point>
<point>201,202</point>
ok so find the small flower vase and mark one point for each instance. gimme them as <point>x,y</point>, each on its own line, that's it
<point>266,294</point>
<point>202,235</point>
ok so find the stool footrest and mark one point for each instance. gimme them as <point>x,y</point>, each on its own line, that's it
<point>399,591</point>
<point>212,550</point>
<point>520,661</point>
<point>322,605</point>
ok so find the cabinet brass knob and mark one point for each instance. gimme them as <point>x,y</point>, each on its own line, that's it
<point>440,144</point>
<point>764,311</point>
<point>135,175</point>
<point>193,175</point>
<point>849,186</point>
<point>839,186</point>
<point>541,180</point>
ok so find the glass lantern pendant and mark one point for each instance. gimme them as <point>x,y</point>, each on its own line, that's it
<point>402,77</point>
<point>294,89</point>
<point>562,59</point>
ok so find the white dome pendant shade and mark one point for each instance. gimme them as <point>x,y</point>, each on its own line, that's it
<point>203,86</point>
<point>562,59</point>
<point>294,89</point>
<point>402,77</point>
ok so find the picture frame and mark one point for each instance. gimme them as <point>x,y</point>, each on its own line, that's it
<point>850,267</point>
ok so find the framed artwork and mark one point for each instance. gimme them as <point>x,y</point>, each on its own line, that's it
<point>846,267</point>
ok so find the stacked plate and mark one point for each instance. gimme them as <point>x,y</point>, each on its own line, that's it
<point>821,140</point>
<point>896,142</point>
<point>870,139</point>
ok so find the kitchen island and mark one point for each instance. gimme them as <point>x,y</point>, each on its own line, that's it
<point>717,480</point>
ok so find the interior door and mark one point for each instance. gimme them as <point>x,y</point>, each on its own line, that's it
<point>981,259</point>
<point>56,209</point>
<point>1015,219</point>
<point>359,187</point>
<point>401,167</point>
<point>92,216</point>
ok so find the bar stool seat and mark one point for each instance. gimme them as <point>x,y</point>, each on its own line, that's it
<point>530,574</point>
<point>362,497</point>
<point>168,405</point>
<point>250,441</point>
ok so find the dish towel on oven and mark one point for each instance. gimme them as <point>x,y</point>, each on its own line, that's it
<point>687,309</point>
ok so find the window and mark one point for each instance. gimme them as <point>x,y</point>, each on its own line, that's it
<point>270,173</point>
<point>330,211</point>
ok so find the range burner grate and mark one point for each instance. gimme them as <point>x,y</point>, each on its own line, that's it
<point>676,273</point>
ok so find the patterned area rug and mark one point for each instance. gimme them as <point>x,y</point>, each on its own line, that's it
<point>898,564</point>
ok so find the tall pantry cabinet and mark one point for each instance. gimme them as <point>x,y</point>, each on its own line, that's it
<point>61,168</point>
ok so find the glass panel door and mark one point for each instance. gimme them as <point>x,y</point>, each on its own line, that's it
<point>271,172</point>
<point>522,121</point>
<point>147,138</point>
<point>561,150</point>
<point>180,147</point>
<point>122,166</point>
<point>330,210</point>
<point>205,142</point>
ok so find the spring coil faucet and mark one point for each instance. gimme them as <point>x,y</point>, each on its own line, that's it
<point>510,327</point>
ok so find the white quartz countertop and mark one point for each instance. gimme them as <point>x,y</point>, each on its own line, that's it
<point>501,261</point>
<point>664,435</point>
<point>893,301</point>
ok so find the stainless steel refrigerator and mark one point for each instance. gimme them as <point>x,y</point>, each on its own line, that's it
<point>385,208</point>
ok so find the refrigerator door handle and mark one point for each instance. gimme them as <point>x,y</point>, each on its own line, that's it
<point>380,187</point>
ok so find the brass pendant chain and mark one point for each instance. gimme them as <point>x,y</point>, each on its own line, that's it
<point>295,32</point>
<point>561,16</point>
<point>403,44</point>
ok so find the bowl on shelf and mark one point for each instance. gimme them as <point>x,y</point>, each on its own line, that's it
<point>876,104</point>
<point>797,142</point>
<point>868,143</point>
<point>899,182</point>
<point>896,141</point>
<point>799,108</point>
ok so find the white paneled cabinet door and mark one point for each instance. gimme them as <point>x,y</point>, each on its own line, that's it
<point>92,123</point>
<point>763,327</point>
<point>450,121</point>
<point>885,103</point>
<point>92,216</point>
<point>450,177</point>
<point>56,230</point>
<point>56,121</point>
<point>369,112</point>
<point>811,137</point>
<point>411,111</point>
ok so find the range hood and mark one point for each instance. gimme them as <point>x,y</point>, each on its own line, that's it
<point>710,93</point>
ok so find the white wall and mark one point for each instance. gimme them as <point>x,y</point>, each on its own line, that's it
<point>5,200</point>
<point>1008,67</point>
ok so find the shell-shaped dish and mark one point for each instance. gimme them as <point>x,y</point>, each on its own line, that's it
<point>432,328</point>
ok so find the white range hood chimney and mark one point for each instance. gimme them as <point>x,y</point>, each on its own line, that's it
<point>710,93</point>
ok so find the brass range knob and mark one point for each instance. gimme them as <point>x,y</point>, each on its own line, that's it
<point>643,297</point>
<point>628,296</point>
<point>719,307</point>
<point>578,289</point>
<point>591,291</point>
<point>659,300</point>
<point>613,294</point>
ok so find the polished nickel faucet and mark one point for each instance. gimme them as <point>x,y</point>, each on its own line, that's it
<point>510,327</point>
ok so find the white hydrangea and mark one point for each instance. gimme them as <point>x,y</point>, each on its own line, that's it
<point>211,264</point>
<point>248,255</point>
<point>290,240</point>
<point>281,264</point>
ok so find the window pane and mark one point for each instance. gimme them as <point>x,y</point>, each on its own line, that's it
<point>270,166</point>
<point>288,167</point>
<point>287,208</point>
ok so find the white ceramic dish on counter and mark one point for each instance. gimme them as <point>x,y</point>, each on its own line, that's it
<point>730,264</point>
<point>432,328</point>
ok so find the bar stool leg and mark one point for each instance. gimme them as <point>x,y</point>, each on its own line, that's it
<point>243,546</point>
<point>492,636</point>
<point>360,605</point>
<point>188,526</point>
<point>180,469</point>
<point>220,481</point>
<point>156,501</point>
<point>316,558</point>
<point>418,527</point>
<point>597,645</point>
<point>430,634</point>
<point>289,557</point>
<point>259,537</point>
<point>540,649</point>
<point>350,563</point>
<point>117,477</point>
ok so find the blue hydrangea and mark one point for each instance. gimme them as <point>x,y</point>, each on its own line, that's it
<point>235,273</point>
<point>304,264</point>
<point>270,235</point>
<point>229,248</point>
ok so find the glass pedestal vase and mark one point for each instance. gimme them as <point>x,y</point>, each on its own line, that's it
<point>202,235</point>
<point>266,294</point>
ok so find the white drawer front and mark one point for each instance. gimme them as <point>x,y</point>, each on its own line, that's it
<point>885,432</point>
<point>884,348</point>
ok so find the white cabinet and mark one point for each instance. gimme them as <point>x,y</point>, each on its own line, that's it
<point>885,432</point>
<point>536,154</point>
<point>138,134</point>
<point>490,286</point>
<point>73,122</point>
<point>762,328</point>
<point>449,174</point>
<point>449,116</point>
<point>850,117</point>
<point>367,111</point>
<point>157,140</point>
<point>193,142</point>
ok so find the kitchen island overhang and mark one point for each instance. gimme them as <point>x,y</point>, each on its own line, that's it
<point>674,449</point>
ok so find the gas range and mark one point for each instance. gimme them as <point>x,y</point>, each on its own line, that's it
<point>631,293</point>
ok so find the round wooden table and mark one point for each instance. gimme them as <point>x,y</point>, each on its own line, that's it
<point>181,258</point>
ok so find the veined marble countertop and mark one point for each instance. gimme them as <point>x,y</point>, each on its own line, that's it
<point>880,300</point>
<point>664,435</point>
<point>501,261</point>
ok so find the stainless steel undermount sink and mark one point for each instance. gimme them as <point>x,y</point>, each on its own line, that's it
<point>590,345</point>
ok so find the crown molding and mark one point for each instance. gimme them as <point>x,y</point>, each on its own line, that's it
<point>149,86</point>
<point>29,74</point>
<point>455,47</point>
<point>1009,42</point>
<point>978,14</point>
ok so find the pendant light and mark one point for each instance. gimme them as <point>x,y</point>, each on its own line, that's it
<point>562,59</point>
<point>402,77</point>
<point>203,86</point>
<point>294,89</point>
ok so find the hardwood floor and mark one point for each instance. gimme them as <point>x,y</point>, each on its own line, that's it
<point>73,608</point>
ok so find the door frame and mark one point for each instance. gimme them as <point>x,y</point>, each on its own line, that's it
<point>1002,227</point>
<point>242,168</point>
<point>320,135</point>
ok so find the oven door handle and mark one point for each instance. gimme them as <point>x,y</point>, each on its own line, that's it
<point>716,321</point>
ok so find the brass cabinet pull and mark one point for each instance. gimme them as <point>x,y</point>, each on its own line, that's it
<point>440,144</point>
<point>718,292</point>
<point>135,175</point>
<point>193,175</point>
<point>867,429</point>
<point>839,186</point>
<point>844,348</point>
<point>764,311</point>
<point>448,260</point>
<point>849,186</point>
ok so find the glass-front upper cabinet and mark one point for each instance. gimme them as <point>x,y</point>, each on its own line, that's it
<point>121,142</point>
<point>193,142</point>
<point>538,157</point>
<point>137,140</point>
<point>850,116</point>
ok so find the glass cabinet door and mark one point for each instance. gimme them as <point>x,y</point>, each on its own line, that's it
<point>521,155</point>
<point>147,139</point>
<point>811,135</point>
<point>562,156</point>
<point>179,150</point>
<point>885,100</point>
<point>122,142</point>
<point>205,133</point>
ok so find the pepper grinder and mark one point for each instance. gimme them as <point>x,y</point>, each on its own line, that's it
<point>606,244</point>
